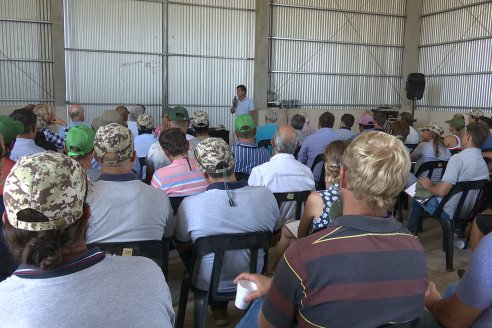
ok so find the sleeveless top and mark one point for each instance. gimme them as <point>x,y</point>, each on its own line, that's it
<point>328,196</point>
<point>458,144</point>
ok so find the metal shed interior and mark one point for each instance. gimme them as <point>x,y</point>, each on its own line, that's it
<point>346,55</point>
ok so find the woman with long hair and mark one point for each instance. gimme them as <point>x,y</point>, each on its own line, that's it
<point>431,148</point>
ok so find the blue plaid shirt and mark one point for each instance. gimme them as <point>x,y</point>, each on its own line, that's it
<point>54,138</point>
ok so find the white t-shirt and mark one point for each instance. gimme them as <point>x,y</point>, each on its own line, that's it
<point>283,173</point>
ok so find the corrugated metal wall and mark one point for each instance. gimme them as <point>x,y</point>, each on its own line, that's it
<point>334,54</point>
<point>26,58</point>
<point>211,50</point>
<point>456,42</point>
<point>114,54</point>
<point>191,53</point>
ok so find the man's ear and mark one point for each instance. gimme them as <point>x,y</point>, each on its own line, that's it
<point>134,157</point>
<point>4,217</point>
<point>343,177</point>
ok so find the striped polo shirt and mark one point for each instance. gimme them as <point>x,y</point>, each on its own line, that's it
<point>181,178</point>
<point>358,272</point>
<point>247,156</point>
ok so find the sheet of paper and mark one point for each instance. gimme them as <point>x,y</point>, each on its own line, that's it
<point>292,226</point>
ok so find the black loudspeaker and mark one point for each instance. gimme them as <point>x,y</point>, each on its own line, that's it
<point>415,86</point>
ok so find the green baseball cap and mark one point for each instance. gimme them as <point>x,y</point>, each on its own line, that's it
<point>457,123</point>
<point>178,113</point>
<point>80,140</point>
<point>10,128</point>
<point>244,123</point>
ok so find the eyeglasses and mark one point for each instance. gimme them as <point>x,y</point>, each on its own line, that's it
<point>6,154</point>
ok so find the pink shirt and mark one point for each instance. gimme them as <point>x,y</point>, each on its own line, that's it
<point>181,178</point>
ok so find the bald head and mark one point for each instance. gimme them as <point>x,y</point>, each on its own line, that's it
<point>76,113</point>
<point>285,140</point>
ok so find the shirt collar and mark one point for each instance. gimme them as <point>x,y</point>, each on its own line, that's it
<point>281,156</point>
<point>231,185</point>
<point>118,177</point>
<point>368,223</point>
<point>245,144</point>
<point>84,261</point>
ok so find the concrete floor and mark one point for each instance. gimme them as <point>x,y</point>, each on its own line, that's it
<point>431,239</point>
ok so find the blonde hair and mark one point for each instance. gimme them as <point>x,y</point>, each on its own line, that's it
<point>42,112</point>
<point>377,167</point>
<point>333,160</point>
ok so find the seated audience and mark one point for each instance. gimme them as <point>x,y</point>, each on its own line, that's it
<point>267,131</point>
<point>430,149</point>
<point>124,208</point>
<point>79,144</point>
<point>77,117</point>
<point>283,173</point>
<point>183,176</point>
<point>233,207</point>
<point>318,212</point>
<point>456,127</point>
<point>179,118</point>
<point>135,112</point>
<point>468,165</point>
<point>366,123</point>
<point>200,124</point>
<point>413,137</point>
<point>316,143</point>
<point>474,116</point>
<point>246,152</point>
<point>156,158</point>
<point>60,282</point>
<point>379,122</point>
<point>307,129</point>
<point>45,138</point>
<point>124,113</point>
<point>107,117</point>
<point>143,140</point>
<point>488,122</point>
<point>400,130</point>
<point>297,122</point>
<point>345,130</point>
<point>471,304</point>
<point>9,129</point>
<point>364,269</point>
<point>24,142</point>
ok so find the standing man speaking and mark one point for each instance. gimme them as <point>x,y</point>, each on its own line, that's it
<point>240,103</point>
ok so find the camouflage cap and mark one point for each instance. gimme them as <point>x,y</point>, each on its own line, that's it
<point>200,119</point>
<point>433,127</point>
<point>107,117</point>
<point>50,183</point>
<point>113,144</point>
<point>10,128</point>
<point>145,121</point>
<point>476,113</point>
<point>214,156</point>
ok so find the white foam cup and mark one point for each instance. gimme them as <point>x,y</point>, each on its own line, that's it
<point>244,288</point>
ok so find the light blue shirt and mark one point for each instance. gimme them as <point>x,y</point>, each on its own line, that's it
<point>314,145</point>
<point>244,106</point>
<point>24,147</point>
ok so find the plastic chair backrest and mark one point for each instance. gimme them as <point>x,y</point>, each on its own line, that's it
<point>219,244</point>
<point>407,324</point>
<point>156,250</point>
<point>299,197</point>
<point>320,184</point>
<point>463,187</point>
<point>430,167</point>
